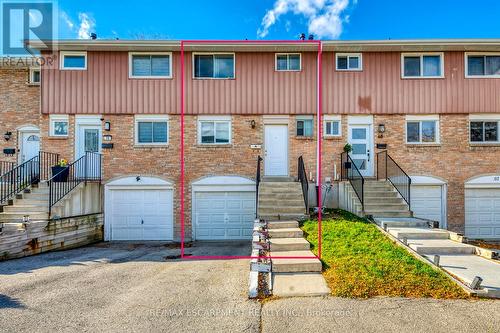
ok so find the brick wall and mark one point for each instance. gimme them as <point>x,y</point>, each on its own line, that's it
<point>453,160</point>
<point>19,105</point>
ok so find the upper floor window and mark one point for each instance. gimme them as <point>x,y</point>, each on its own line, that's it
<point>288,62</point>
<point>34,76</point>
<point>348,61</point>
<point>424,65</point>
<point>214,130</point>
<point>422,129</point>
<point>214,66</point>
<point>482,65</point>
<point>484,128</point>
<point>304,126</point>
<point>74,60</point>
<point>151,130</point>
<point>150,65</point>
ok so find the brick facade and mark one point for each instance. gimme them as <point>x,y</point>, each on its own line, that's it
<point>19,106</point>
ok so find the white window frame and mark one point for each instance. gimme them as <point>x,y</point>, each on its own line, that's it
<point>414,119</point>
<point>288,62</point>
<point>31,74</point>
<point>215,119</point>
<point>331,118</point>
<point>360,61</point>
<point>53,118</point>
<point>421,55</point>
<point>150,119</point>
<point>466,65</point>
<point>303,118</point>
<point>212,78</point>
<point>130,67</point>
<point>63,54</point>
<point>485,118</point>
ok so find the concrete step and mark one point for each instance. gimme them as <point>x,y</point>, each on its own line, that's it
<point>42,208</point>
<point>281,210</point>
<point>408,222</point>
<point>378,200</point>
<point>40,190</point>
<point>280,196</point>
<point>297,264</point>
<point>15,217</point>
<point>283,217</point>
<point>8,227</point>
<point>389,213</point>
<point>289,244</point>
<point>289,202</point>
<point>440,246</point>
<point>467,267</point>
<point>30,202</point>
<point>299,284</point>
<point>419,233</point>
<point>385,206</point>
<point>36,196</point>
<point>282,224</point>
<point>380,194</point>
<point>286,233</point>
<point>276,179</point>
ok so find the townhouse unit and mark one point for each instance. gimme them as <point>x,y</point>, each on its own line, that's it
<point>422,114</point>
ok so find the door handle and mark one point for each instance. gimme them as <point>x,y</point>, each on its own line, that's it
<point>368,152</point>
<point>142,221</point>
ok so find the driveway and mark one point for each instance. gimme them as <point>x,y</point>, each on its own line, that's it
<point>127,287</point>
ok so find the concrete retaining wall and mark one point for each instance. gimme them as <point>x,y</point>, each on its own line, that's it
<point>20,240</point>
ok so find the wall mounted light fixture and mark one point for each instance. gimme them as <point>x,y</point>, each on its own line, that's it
<point>7,136</point>
<point>107,126</point>
<point>381,130</point>
<point>252,124</point>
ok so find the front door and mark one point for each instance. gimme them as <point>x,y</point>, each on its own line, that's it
<point>276,150</point>
<point>362,152</point>
<point>30,145</point>
<point>89,140</point>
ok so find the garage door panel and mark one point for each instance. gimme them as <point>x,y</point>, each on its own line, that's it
<point>426,202</point>
<point>482,213</point>
<point>224,215</point>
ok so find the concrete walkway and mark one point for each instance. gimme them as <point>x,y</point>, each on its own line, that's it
<point>457,258</point>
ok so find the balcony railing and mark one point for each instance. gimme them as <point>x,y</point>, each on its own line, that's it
<point>6,166</point>
<point>389,170</point>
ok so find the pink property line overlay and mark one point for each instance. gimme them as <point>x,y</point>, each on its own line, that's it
<point>319,120</point>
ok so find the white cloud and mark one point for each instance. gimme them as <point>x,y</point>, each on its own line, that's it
<point>325,17</point>
<point>87,25</point>
<point>67,20</point>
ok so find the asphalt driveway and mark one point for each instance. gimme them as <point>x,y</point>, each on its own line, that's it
<point>128,287</point>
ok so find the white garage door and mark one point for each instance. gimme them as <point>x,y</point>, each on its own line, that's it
<point>224,215</point>
<point>427,202</point>
<point>140,214</point>
<point>482,213</point>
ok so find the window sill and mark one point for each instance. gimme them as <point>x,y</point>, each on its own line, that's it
<point>484,144</point>
<point>334,137</point>
<point>211,145</point>
<point>423,144</point>
<point>304,137</point>
<point>139,146</point>
<point>30,84</point>
<point>423,78</point>
<point>150,78</point>
<point>52,137</point>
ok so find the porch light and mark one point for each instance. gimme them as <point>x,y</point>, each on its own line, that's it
<point>107,126</point>
<point>381,128</point>
<point>252,124</point>
<point>7,136</point>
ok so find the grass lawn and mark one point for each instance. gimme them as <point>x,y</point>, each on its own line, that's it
<point>360,261</point>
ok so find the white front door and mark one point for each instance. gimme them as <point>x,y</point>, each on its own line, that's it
<point>30,145</point>
<point>88,140</point>
<point>361,141</point>
<point>224,215</point>
<point>276,150</point>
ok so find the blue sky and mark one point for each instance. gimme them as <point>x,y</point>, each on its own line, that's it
<point>279,19</point>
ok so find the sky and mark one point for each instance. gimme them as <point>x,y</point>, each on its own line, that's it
<point>279,19</point>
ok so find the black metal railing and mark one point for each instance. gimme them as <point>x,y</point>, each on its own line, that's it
<point>302,177</point>
<point>389,170</point>
<point>257,183</point>
<point>19,178</point>
<point>47,161</point>
<point>349,171</point>
<point>86,168</point>
<point>6,166</point>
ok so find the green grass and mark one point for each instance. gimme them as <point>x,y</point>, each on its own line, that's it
<point>360,261</point>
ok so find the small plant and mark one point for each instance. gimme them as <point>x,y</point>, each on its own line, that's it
<point>62,163</point>
<point>347,148</point>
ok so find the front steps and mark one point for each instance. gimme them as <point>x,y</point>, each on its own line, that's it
<point>298,272</point>
<point>33,203</point>
<point>459,259</point>
<point>281,199</point>
<point>381,199</point>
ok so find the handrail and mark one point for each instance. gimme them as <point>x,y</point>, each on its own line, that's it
<point>19,178</point>
<point>86,168</point>
<point>257,183</point>
<point>349,171</point>
<point>47,161</point>
<point>6,166</point>
<point>302,177</point>
<point>391,171</point>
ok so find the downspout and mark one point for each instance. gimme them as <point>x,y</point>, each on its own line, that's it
<point>181,189</point>
<point>318,142</point>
